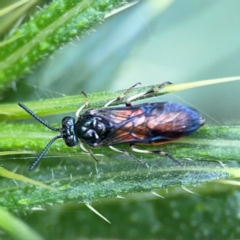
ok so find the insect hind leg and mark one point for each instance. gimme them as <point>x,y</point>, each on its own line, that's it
<point>160,152</point>
<point>128,154</point>
<point>153,90</point>
<point>121,96</point>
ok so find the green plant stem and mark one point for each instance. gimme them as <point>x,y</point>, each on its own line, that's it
<point>201,145</point>
<point>80,186</point>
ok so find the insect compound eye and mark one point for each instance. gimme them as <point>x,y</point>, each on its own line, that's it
<point>68,131</point>
<point>68,121</point>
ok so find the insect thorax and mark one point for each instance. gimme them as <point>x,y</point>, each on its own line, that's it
<point>91,129</point>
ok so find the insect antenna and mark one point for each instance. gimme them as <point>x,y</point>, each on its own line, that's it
<point>43,152</point>
<point>37,117</point>
<point>46,125</point>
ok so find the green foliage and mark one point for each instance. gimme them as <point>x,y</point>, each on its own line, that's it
<point>46,31</point>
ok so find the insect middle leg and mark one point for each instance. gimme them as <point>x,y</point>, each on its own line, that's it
<point>153,90</point>
<point>128,102</point>
<point>160,152</point>
<point>121,96</point>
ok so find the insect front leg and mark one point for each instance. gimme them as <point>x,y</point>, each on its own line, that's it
<point>128,154</point>
<point>160,152</point>
<point>122,95</point>
<point>154,90</point>
<point>83,106</point>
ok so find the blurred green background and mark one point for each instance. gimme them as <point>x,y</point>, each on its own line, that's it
<point>189,41</point>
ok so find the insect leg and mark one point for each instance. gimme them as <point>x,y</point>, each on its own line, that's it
<point>128,154</point>
<point>88,151</point>
<point>154,90</point>
<point>122,95</point>
<point>83,106</point>
<point>160,152</point>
